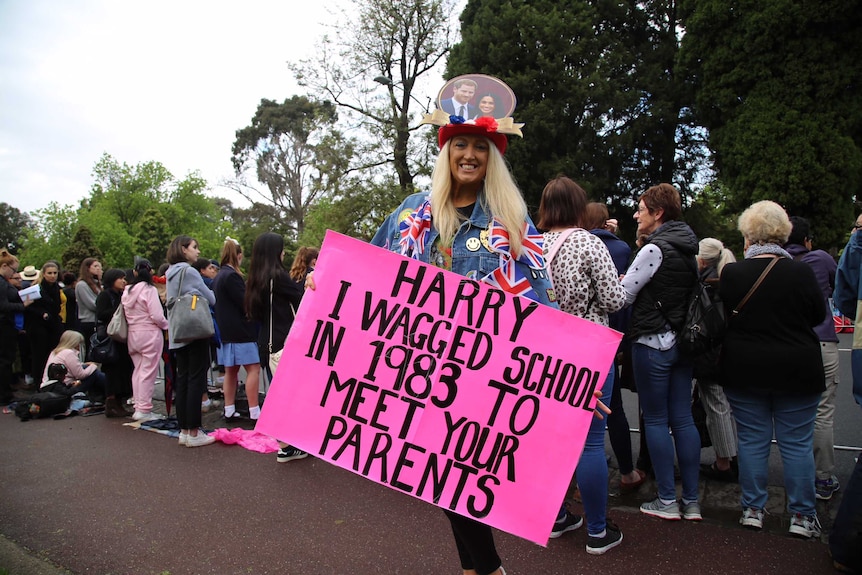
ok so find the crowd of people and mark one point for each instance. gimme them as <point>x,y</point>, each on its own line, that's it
<point>775,374</point>
<point>765,381</point>
<point>61,320</point>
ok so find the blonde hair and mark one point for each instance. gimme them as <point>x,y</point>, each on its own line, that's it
<point>765,222</point>
<point>230,253</point>
<point>713,252</point>
<point>7,258</point>
<point>69,340</point>
<point>501,194</point>
<point>46,266</point>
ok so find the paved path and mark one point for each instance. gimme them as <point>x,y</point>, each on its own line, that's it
<point>95,497</point>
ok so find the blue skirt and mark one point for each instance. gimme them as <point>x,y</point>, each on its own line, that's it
<point>230,354</point>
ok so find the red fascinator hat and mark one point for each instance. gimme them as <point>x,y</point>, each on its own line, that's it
<point>486,103</point>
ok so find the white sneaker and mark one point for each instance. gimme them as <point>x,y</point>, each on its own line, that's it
<point>147,416</point>
<point>803,526</point>
<point>752,518</point>
<point>199,440</point>
<point>184,438</point>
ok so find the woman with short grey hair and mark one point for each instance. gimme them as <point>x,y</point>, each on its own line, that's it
<point>771,368</point>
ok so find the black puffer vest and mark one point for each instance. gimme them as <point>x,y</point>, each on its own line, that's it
<point>665,298</point>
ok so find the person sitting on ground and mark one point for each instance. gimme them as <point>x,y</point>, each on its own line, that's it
<point>85,377</point>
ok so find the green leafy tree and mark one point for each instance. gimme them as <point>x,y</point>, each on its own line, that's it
<point>190,211</point>
<point>253,221</point>
<point>777,87</point>
<point>81,248</point>
<point>710,216</point>
<point>50,233</point>
<point>296,152</point>
<point>121,196</point>
<point>13,225</point>
<point>357,212</point>
<point>114,239</point>
<point>128,191</point>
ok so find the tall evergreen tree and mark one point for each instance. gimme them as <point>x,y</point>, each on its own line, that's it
<point>153,237</point>
<point>13,225</point>
<point>597,88</point>
<point>81,248</point>
<point>778,88</point>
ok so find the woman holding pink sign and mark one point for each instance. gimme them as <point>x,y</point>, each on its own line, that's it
<point>474,223</point>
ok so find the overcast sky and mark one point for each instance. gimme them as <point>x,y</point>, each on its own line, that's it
<point>160,80</point>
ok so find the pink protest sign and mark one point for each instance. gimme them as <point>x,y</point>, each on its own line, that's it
<point>439,386</point>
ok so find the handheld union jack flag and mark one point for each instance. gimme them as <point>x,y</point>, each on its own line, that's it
<point>508,277</point>
<point>413,230</point>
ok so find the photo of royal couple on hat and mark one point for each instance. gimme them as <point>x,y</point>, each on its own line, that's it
<point>476,95</point>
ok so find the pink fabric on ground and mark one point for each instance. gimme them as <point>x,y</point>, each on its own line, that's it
<point>248,438</point>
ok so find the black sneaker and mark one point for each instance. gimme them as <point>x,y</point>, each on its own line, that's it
<point>599,545</point>
<point>568,523</point>
<point>289,453</point>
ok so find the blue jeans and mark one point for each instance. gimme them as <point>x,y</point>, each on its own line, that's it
<point>96,381</point>
<point>592,469</point>
<point>791,416</point>
<point>664,385</point>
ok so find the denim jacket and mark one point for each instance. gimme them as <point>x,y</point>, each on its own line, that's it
<point>473,263</point>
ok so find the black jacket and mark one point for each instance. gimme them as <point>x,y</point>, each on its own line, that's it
<point>665,297</point>
<point>286,293</point>
<point>10,303</point>
<point>229,289</point>
<point>771,345</point>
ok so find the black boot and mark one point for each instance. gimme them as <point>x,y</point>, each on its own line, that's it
<point>113,408</point>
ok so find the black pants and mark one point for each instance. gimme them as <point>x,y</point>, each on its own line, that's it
<point>43,336</point>
<point>475,542</point>
<point>8,348</point>
<point>191,382</point>
<point>119,373</point>
<point>618,432</point>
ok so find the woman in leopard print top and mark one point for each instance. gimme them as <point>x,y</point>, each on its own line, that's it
<point>587,285</point>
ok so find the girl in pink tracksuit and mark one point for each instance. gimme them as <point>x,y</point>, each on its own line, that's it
<point>147,324</point>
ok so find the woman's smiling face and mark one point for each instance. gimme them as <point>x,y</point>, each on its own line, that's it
<point>468,160</point>
<point>487,105</point>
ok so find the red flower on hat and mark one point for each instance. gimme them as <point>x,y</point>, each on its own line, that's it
<point>487,122</point>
